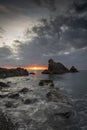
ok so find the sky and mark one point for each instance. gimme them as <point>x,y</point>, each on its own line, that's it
<point>33,31</point>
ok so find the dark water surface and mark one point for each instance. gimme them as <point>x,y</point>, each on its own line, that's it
<point>39,113</point>
<point>75,86</point>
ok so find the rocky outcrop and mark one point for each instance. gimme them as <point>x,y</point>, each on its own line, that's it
<point>5,122</point>
<point>3,85</point>
<point>58,68</point>
<point>55,68</point>
<point>45,82</point>
<point>73,69</point>
<point>24,90</point>
<point>4,73</point>
<point>14,95</point>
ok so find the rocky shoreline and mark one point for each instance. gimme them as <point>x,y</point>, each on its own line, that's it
<point>34,105</point>
<point>4,73</point>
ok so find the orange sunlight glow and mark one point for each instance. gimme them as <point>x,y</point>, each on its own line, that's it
<point>36,67</point>
<point>32,67</point>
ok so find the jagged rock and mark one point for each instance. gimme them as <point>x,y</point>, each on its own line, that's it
<point>3,95</point>
<point>53,95</point>
<point>65,115</point>
<point>3,85</point>
<point>4,73</point>
<point>29,101</point>
<point>24,90</point>
<point>6,123</point>
<point>45,82</point>
<point>73,69</point>
<point>14,95</point>
<point>55,68</point>
<point>9,104</point>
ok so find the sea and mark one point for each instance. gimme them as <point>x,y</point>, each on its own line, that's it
<point>41,114</point>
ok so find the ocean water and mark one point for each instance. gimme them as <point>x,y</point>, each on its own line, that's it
<point>74,85</point>
<point>42,114</point>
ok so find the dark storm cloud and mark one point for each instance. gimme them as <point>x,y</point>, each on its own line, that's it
<point>80,5</point>
<point>22,4</point>
<point>60,36</point>
<point>56,38</point>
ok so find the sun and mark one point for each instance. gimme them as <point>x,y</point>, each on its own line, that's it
<point>36,67</point>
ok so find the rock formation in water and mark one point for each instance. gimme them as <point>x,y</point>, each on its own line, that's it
<point>55,68</point>
<point>4,73</point>
<point>73,69</point>
<point>58,68</point>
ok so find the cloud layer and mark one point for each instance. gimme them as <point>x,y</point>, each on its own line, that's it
<point>60,35</point>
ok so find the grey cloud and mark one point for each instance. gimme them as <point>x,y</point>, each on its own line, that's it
<point>5,52</point>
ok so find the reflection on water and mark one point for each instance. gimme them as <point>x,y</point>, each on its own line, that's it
<point>35,75</point>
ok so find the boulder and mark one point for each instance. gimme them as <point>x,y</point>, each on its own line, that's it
<point>3,85</point>
<point>45,82</point>
<point>14,95</point>
<point>29,101</point>
<point>73,69</point>
<point>5,122</point>
<point>53,95</point>
<point>4,73</point>
<point>24,90</point>
<point>32,73</point>
<point>55,68</point>
<point>67,114</point>
<point>9,104</point>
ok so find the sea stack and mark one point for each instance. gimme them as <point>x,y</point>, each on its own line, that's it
<point>73,69</point>
<point>58,68</point>
<point>55,68</point>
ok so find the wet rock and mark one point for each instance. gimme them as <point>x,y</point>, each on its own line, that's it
<point>45,82</point>
<point>14,95</point>
<point>9,82</point>
<point>30,101</point>
<point>53,95</point>
<point>9,104</point>
<point>6,123</point>
<point>73,69</point>
<point>52,85</point>
<point>32,73</point>
<point>3,85</point>
<point>3,95</point>
<point>65,115</point>
<point>24,90</point>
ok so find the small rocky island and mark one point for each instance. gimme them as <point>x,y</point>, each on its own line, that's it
<point>58,68</point>
<point>4,73</point>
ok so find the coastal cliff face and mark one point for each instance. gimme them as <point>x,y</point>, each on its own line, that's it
<point>4,73</point>
<point>58,68</point>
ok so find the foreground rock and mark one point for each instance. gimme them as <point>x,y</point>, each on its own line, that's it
<point>4,73</point>
<point>45,82</point>
<point>5,123</point>
<point>24,90</point>
<point>58,68</point>
<point>14,95</point>
<point>56,96</point>
<point>3,85</point>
